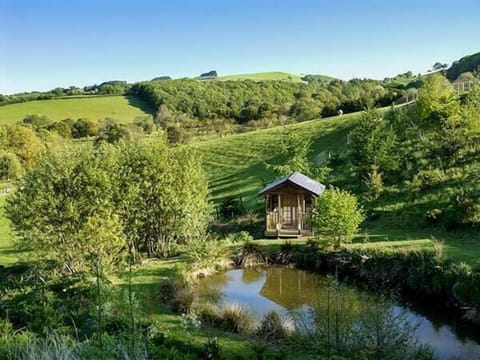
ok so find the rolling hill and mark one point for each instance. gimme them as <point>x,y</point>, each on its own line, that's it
<point>121,108</point>
<point>235,164</point>
<point>235,167</point>
<point>261,76</point>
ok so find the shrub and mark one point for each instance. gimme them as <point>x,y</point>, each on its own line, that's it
<point>208,314</point>
<point>205,256</point>
<point>230,208</point>
<point>272,327</point>
<point>286,254</point>
<point>183,300</point>
<point>239,237</point>
<point>211,350</point>
<point>250,255</point>
<point>337,217</point>
<point>236,318</point>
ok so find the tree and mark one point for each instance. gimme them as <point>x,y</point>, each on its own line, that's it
<point>25,144</point>
<point>373,143</point>
<point>10,167</point>
<point>162,197</point>
<point>438,104</point>
<point>294,149</point>
<point>144,122</point>
<point>84,128</point>
<point>439,66</point>
<point>63,209</point>
<point>111,132</point>
<point>337,217</point>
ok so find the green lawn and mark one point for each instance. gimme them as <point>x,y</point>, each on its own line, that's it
<point>121,108</point>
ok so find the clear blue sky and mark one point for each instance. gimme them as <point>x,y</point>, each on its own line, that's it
<point>50,43</point>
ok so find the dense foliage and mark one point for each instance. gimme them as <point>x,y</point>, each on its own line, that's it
<point>422,158</point>
<point>220,105</point>
<point>468,63</point>
<point>337,217</point>
<point>83,200</point>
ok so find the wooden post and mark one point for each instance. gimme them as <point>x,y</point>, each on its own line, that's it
<point>299,212</point>
<point>266,212</point>
<point>279,220</point>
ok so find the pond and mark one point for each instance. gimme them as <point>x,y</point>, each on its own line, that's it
<point>288,290</point>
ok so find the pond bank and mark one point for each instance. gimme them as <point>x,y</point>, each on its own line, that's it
<point>293,291</point>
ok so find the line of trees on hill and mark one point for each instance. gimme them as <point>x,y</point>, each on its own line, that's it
<point>22,145</point>
<point>114,87</point>
<point>189,107</point>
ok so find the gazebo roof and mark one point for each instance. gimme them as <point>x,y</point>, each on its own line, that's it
<point>297,179</point>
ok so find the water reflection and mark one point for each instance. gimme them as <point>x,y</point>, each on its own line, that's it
<point>285,289</point>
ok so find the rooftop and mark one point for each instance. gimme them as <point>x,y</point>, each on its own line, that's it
<point>298,179</point>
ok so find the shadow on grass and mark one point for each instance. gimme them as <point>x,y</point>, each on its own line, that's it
<point>137,102</point>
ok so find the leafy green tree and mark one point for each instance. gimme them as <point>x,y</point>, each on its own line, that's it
<point>145,122</point>
<point>37,121</point>
<point>337,217</point>
<point>111,132</point>
<point>24,143</point>
<point>438,104</point>
<point>471,109</point>
<point>373,143</point>
<point>295,150</point>
<point>163,196</point>
<point>439,66</point>
<point>10,167</point>
<point>63,209</point>
<point>84,128</point>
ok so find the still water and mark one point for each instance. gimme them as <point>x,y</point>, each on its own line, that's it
<point>285,290</point>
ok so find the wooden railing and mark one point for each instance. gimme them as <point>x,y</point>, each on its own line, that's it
<point>274,217</point>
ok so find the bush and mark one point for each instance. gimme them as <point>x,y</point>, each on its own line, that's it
<point>272,327</point>
<point>205,256</point>
<point>236,318</point>
<point>230,208</point>
<point>337,217</point>
<point>251,254</point>
<point>211,350</point>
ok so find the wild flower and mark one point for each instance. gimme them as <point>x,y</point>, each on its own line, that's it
<point>190,322</point>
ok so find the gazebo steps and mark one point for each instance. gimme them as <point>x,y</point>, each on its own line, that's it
<point>286,233</point>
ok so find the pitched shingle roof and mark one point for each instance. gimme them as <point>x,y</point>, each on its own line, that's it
<point>298,179</point>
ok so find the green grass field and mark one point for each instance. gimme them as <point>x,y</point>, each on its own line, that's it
<point>235,165</point>
<point>272,75</point>
<point>121,108</point>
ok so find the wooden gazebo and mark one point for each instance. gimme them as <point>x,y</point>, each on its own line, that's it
<point>289,203</point>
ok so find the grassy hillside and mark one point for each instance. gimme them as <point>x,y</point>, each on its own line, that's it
<point>236,164</point>
<point>121,108</point>
<point>271,75</point>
